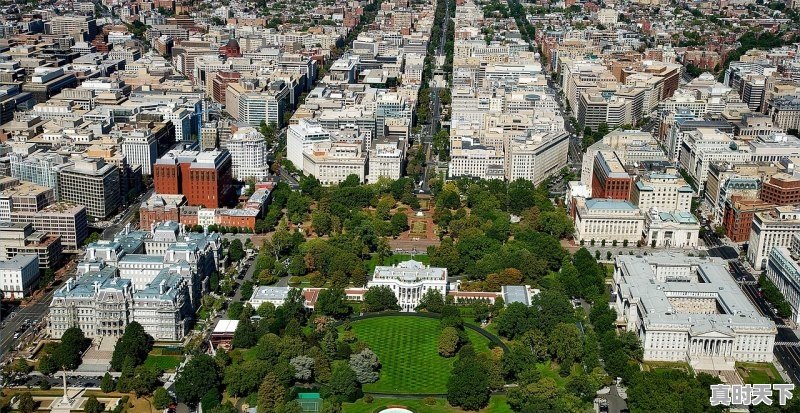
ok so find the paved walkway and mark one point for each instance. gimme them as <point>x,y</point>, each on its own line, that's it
<point>97,358</point>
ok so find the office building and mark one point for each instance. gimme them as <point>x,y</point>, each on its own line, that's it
<point>333,162</point>
<point>141,149</point>
<point>67,220</point>
<point>771,229</point>
<point>39,168</point>
<point>21,238</point>
<point>536,156</point>
<point>662,191</point>
<point>205,178</point>
<point>300,137</point>
<point>92,183</point>
<point>18,276</point>
<point>609,178</point>
<point>738,215</point>
<point>607,219</point>
<point>783,269</point>
<point>248,155</point>
<point>155,278</point>
<point>689,309</point>
<point>678,229</point>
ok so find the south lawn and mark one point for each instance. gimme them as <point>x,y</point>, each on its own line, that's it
<point>497,404</point>
<point>407,349</point>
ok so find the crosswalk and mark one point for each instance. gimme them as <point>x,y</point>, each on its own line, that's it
<point>788,343</point>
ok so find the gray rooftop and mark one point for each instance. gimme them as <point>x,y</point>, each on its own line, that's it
<point>640,279</point>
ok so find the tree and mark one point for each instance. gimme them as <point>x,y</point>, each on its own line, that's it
<point>384,207</point>
<point>565,343</point>
<point>92,238</point>
<point>235,250</point>
<point>602,130</point>
<point>431,301</point>
<point>107,383</point>
<point>245,335</point>
<point>198,377</point>
<point>145,380</point>
<point>399,223</point>
<point>468,386</point>
<point>517,360</point>
<point>448,342</point>
<point>67,354</point>
<point>303,367</point>
<point>26,403</point>
<point>508,276</point>
<point>514,321</point>
<point>380,298</point>
<point>93,405</point>
<point>135,342</point>
<point>343,385</point>
<point>321,222</point>
<point>242,379</point>
<point>268,131</point>
<point>366,366</point>
<point>330,302</point>
<point>271,394</point>
<point>161,398</point>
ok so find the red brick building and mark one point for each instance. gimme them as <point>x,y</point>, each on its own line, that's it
<point>231,49</point>
<point>160,208</point>
<point>609,178</point>
<point>220,84</point>
<point>239,218</point>
<point>781,189</point>
<point>204,178</point>
<point>738,216</point>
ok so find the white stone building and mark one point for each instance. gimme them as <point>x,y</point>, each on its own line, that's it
<point>537,156</point>
<point>472,159</point>
<point>248,154</point>
<point>301,136</point>
<point>678,229</point>
<point>268,294</point>
<point>689,309</point>
<point>385,159</point>
<point>607,219</point>
<point>18,275</point>
<point>154,278</point>
<point>664,191</point>
<point>409,280</point>
<point>704,146</point>
<point>770,230</point>
<point>783,269</point>
<point>333,162</point>
<point>141,148</point>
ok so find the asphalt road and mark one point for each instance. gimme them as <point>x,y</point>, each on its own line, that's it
<point>33,312</point>
<point>111,231</point>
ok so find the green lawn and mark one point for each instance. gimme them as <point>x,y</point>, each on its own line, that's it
<point>395,258</point>
<point>497,404</point>
<point>407,349</point>
<point>759,373</point>
<point>666,365</point>
<point>166,363</point>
